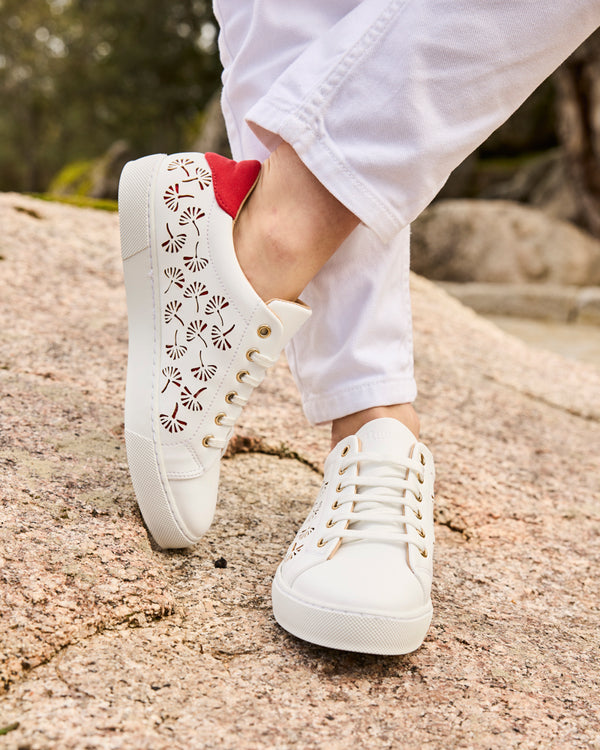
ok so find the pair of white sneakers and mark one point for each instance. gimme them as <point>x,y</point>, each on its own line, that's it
<point>358,574</point>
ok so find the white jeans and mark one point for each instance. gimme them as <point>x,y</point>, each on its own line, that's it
<point>381,99</point>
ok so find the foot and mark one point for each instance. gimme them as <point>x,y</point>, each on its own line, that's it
<point>358,574</point>
<point>200,337</point>
<point>345,426</point>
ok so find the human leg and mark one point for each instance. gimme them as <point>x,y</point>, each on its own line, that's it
<point>441,76</point>
<point>289,227</point>
<point>356,350</point>
<point>368,338</point>
<point>308,110</point>
<point>171,240</point>
<point>361,346</point>
<point>385,103</point>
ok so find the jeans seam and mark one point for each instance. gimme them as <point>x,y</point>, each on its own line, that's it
<point>308,110</point>
<point>351,57</point>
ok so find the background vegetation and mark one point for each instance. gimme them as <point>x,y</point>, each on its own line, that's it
<point>76,75</point>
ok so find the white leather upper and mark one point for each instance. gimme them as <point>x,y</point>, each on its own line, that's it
<point>372,575</point>
<point>207,317</point>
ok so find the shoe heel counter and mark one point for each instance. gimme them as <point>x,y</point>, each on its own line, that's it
<point>232,181</point>
<point>134,190</point>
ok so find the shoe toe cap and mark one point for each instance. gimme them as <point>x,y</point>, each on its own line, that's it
<point>366,578</point>
<point>195,501</point>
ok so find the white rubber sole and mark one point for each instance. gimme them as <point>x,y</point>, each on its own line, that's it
<point>138,251</point>
<point>348,631</point>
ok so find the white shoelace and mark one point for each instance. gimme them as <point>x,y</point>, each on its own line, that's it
<point>389,511</point>
<point>234,398</point>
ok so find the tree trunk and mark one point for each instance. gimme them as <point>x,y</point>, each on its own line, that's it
<point>213,136</point>
<point>578,121</point>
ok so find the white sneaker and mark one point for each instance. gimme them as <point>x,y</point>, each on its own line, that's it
<point>200,338</point>
<point>358,574</point>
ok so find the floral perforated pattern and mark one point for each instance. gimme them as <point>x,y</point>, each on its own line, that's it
<point>174,242</point>
<point>308,527</point>
<point>170,421</point>
<point>194,315</point>
<point>194,291</point>
<point>171,310</point>
<point>175,350</point>
<point>191,215</point>
<point>183,162</point>
<point>172,376</point>
<point>195,262</point>
<point>219,337</point>
<point>293,551</point>
<point>176,278</point>
<point>173,196</point>
<point>203,372</point>
<point>195,330</point>
<point>216,304</point>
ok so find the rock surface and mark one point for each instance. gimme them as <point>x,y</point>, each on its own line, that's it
<point>580,341</point>
<point>568,304</point>
<point>503,242</point>
<point>108,642</point>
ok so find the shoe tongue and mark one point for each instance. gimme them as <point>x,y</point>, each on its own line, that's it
<point>387,437</point>
<point>392,441</point>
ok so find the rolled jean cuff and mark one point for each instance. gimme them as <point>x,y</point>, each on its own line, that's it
<point>354,397</point>
<point>321,156</point>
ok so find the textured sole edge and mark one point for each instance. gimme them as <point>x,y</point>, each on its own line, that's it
<point>143,454</point>
<point>347,631</point>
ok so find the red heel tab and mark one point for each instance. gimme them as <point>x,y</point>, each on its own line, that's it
<point>232,181</point>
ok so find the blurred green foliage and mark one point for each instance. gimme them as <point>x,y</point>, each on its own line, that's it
<point>76,75</point>
<point>81,201</point>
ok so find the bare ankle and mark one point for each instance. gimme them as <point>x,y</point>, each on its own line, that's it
<point>349,425</point>
<point>289,227</point>
<point>264,252</point>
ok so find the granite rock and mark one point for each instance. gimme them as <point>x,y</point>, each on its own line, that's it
<point>502,242</point>
<point>566,304</point>
<point>108,642</point>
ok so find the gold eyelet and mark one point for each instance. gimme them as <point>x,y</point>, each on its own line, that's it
<point>219,417</point>
<point>320,543</point>
<point>419,498</point>
<point>339,487</point>
<point>423,553</point>
<point>345,451</point>
<point>230,396</point>
<point>335,506</point>
<point>205,440</point>
<point>422,459</point>
<point>421,533</point>
<point>249,354</point>
<point>418,515</point>
<point>421,478</point>
<point>342,471</point>
<point>330,523</point>
<point>264,331</point>
<point>240,375</point>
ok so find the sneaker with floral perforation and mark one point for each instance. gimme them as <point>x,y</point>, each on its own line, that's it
<point>200,338</point>
<point>358,574</point>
